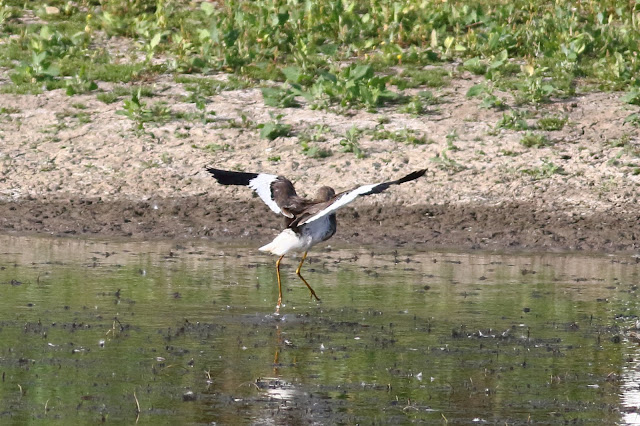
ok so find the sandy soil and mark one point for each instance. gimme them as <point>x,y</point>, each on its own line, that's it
<point>71,165</point>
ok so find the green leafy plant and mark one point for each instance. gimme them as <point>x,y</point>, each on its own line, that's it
<point>552,122</point>
<point>274,129</point>
<point>546,170</point>
<point>39,68</point>
<point>80,84</point>
<point>489,100</point>
<point>535,140</point>
<point>513,120</point>
<point>633,119</point>
<point>136,110</point>
<point>443,161</point>
<point>408,136</point>
<point>633,97</point>
<point>213,148</point>
<point>417,104</point>
<point>309,141</point>
<point>279,97</point>
<point>354,86</point>
<point>429,77</point>
<point>535,88</point>
<point>351,142</point>
<point>314,151</point>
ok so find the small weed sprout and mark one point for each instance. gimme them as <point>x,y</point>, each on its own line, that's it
<point>351,142</point>
<point>535,140</point>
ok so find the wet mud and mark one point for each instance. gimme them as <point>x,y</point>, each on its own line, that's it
<point>507,226</point>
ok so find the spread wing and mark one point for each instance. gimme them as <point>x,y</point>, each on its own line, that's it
<point>277,192</point>
<point>342,199</point>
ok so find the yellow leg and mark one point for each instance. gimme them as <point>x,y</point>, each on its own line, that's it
<point>279,282</point>
<point>313,293</point>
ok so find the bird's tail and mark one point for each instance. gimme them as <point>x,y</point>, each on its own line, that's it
<point>285,242</point>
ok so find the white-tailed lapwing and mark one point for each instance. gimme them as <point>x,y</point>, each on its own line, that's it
<point>308,222</point>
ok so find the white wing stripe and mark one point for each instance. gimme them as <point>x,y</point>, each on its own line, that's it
<point>342,201</point>
<point>262,185</point>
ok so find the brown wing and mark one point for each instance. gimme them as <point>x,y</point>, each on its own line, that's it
<point>342,199</point>
<point>277,192</point>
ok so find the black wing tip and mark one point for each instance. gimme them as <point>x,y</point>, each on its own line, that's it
<point>412,176</point>
<point>417,173</point>
<point>212,170</point>
<point>227,177</point>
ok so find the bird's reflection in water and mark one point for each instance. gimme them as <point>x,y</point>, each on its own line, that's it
<point>630,389</point>
<point>274,387</point>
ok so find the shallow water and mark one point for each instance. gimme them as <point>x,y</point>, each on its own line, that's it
<point>92,330</point>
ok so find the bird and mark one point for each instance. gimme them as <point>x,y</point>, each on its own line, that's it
<point>307,222</point>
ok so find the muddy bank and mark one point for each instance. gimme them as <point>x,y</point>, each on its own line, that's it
<point>485,187</point>
<point>506,226</point>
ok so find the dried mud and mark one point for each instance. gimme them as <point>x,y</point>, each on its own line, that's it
<point>73,166</point>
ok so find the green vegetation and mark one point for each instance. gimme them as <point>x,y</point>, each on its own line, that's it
<point>213,148</point>
<point>430,77</point>
<point>552,122</point>
<point>279,98</point>
<point>546,170</point>
<point>274,129</point>
<point>351,142</point>
<point>489,100</point>
<point>310,139</point>
<point>535,140</point>
<point>417,105</point>
<point>337,56</point>
<point>408,136</point>
<point>514,120</point>
<point>533,48</point>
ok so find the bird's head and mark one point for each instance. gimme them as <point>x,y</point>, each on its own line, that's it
<point>325,193</point>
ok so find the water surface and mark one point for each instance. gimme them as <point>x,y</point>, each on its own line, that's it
<point>186,333</point>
